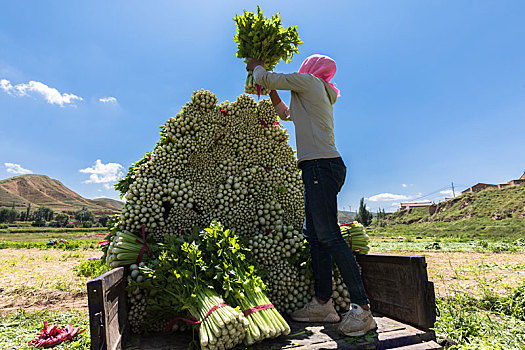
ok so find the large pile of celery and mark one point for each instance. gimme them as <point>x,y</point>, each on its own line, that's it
<point>228,162</point>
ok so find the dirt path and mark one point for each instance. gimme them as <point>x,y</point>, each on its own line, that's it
<point>35,280</point>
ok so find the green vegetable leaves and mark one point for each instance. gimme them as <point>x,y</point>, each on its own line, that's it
<point>265,39</point>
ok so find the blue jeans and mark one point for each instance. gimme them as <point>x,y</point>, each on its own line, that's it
<point>323,179</point>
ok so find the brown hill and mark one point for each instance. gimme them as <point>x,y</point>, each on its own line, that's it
<point>110,203</point>
<point>41,190</point>
<point>7,199</point>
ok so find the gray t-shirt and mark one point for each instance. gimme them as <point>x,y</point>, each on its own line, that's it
<point>310,110</point>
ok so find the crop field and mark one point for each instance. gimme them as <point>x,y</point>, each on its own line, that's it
<point>480,289</point>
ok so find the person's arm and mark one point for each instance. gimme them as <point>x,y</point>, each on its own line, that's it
<point>277,81</point>
<point>280,81</point>
<point>274,96</point>
<point>280,107</point>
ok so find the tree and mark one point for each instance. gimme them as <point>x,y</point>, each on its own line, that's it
<point>363,215</point>
<point>62,219</point>
<point>54,223</point>
<point>26,217</point>
<point>38,222</point>
<point>103,220</point>
<point>84,215</point>
<point>8,215</point>
<point>381,217</point>
<point>44,213</point>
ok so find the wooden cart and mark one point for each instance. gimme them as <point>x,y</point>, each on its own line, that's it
<point>401,298</point>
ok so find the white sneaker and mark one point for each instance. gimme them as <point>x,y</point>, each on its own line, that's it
<point>357,321</point>
<point>316,312</point>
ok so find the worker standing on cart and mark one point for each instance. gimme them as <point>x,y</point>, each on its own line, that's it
<point>323,173</point>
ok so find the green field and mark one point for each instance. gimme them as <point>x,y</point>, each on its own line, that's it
<point>23,230</point>
<point>507,230</point>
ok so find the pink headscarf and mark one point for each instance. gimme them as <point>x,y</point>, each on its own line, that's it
<point>322,67</point>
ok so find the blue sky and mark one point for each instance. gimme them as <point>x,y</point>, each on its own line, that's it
<point>433,92</point>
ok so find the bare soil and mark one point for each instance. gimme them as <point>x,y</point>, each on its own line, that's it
<point>36,280</point>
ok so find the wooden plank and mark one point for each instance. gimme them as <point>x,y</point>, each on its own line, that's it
<point>96,314</point>
<point>114,299</point>
<point>399,334</point>
<point>431,345</point>
<point>115,295</point>
<point>111,308</point>
<point>112,277</point>
<point>303,336</point>
<point>337,344</point>
<point>398,287</point>
<point>108,310</point>
<point>403,337</point>
<point>159,341</point>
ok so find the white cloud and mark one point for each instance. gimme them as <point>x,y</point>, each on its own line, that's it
<point>103,173</point>
<point>51,95</point>
<point>385,197</point>
<point>107,186</point>
<point>447,192</point>
<point>16,169</point>
<point>405,185</point>
<point>108,99</point>
<point>6,85</point>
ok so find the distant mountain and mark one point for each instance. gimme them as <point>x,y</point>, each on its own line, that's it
<point>110,202</point>
<point>345,216</point>
<point>42,191</point>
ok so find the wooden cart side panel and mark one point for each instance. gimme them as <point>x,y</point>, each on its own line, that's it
<point>398,286</point>
<point>108,310</point>
<point>96,314</point>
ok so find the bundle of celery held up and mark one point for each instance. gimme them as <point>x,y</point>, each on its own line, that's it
<point>264,39</point>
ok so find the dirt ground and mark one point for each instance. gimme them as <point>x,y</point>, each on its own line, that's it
<point>35,280</point>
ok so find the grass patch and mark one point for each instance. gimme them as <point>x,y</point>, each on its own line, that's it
<point>31,229</point>
<point>489,322</point>
<point>512,305</point>
<point>91,268</point>
<point>17,329</point>
<point>466,229</point>
<point>73,245</point>
<point>19,224</point>
<point>47,236</point>
<point>409,243</point>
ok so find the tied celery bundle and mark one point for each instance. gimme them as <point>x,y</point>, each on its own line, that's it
<point>232,272</point>
<point>125,248</point>
<point>355,235</point>
<point>264,39</point>
<point>178,285</point>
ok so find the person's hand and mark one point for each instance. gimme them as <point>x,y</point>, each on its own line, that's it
<point>252,63</point>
